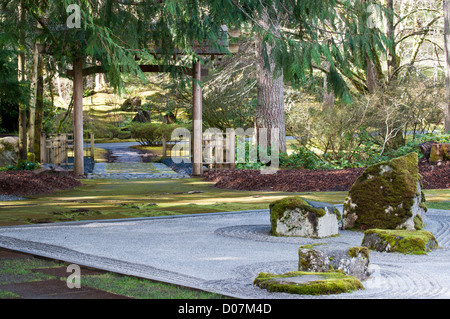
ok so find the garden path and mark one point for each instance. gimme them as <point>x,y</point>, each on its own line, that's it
<point>125,162</point>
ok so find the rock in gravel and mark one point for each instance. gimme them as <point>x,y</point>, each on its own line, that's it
<point>293,216</point>
<point>308,283</point>
<point>353,261</point>
<point>401,241</point>
<point>51,169</point>
<point>387,195</point>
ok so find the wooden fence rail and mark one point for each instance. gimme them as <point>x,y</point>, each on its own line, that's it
<point>57,148</point>
<point>218,150</point>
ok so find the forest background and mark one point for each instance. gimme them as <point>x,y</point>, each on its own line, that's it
<point>353,82</point>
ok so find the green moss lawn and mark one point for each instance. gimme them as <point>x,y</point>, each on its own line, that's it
<point>110,199</point>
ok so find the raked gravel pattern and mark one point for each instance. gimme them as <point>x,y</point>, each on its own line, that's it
<point>224,252</point>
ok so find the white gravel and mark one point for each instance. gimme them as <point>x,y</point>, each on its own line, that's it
<point>224,252</point>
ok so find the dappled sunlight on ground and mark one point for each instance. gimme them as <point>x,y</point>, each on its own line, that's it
<point>131,198</point>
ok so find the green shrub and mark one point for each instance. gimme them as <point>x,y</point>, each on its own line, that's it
<point>412,144</point>
<point>22,165</point>
<point>151,133</point>
<point>110,131</point>
<point>301,158</point>
<point>247,164</point>
<point>364,154</point>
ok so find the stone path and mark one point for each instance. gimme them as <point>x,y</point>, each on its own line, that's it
<point>133,170</point>
<point>224,252</point>
<point>129,163</point>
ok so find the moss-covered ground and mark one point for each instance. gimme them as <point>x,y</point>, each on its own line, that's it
<point>27,269</point>
<point>109,199</point>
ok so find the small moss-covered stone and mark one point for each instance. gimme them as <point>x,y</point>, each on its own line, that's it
<point>387,195</point>
<point>357,251</point>
<point>308,283</point>
<point>417,242</point>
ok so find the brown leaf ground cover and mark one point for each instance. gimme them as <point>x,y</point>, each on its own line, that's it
<point>434,177</point>
<point>26,183</point>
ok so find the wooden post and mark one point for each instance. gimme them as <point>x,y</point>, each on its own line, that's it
<point>64,150</point>
<point>197,120</point>
<point>92,146</point>
<point>230,146</point>
<point>164,142</point>
<point>78,115</point>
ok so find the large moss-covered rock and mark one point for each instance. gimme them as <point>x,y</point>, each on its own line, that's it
<point>387,195</point>
<point>9,150</point>
<point>417,242</point>
<point>293,216</point>
<point>439,153</point>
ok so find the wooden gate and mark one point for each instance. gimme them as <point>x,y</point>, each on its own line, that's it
<point>219,149</point>
<point>57,148</point>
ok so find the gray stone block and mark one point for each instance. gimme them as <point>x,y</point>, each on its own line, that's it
<point>353,261</point>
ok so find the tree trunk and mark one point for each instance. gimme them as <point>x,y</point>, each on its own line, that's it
<point>33,99</point>
<point>78,116</point>
<point>447,64</point>
<point>372,80</point>
<point>39,108</point>
<point>373,70</point>
<point>270,91</point>
<point>328,95</point>
<point>21,78</point>
<point>197,130</point>
<point>58,83</point>
<point>392,62</point>
<point>22,133</point>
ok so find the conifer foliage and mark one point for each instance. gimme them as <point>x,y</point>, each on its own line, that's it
<point>115,36</point>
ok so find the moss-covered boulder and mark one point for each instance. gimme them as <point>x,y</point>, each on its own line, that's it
<point>308,283</point>
<point>439,153</point>
<point>353,261</point>
<point>293,216</point>
<point>9,150</point>
<point>387,195</point>
<point>417,242</point>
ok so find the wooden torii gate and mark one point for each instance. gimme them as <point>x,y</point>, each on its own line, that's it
<point>221,48</point>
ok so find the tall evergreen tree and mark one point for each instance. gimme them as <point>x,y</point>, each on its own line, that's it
<point>447,63</point>
<point>297,37</point>
<point>293,36</point>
